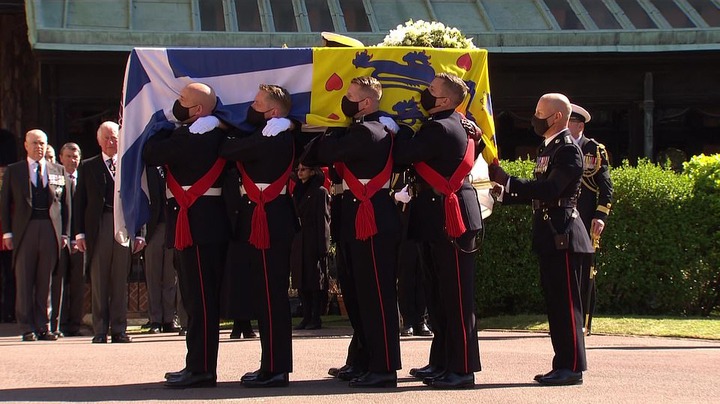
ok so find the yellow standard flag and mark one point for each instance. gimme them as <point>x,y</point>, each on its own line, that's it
<point>404,73</point>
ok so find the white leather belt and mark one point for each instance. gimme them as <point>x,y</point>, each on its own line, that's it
<point>209,192</point>
<point>261,186</point>
<point>364,181</point>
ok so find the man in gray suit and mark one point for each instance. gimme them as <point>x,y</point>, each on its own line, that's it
<point>34,190</point>
<point>94,233</point>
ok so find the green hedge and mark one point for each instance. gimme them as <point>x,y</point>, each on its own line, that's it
<point>659,252</point>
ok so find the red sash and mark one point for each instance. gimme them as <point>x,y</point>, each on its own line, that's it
<point>365,225</point>
<point>185,199</point>
<point>259,232</point>
<point>453,218</point>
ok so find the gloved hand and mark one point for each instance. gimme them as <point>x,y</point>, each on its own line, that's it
<point>473,131</point>
<point>497,174</point>
<point>275,126</point>
<point>403,195</point>
<point>204,124</point>
<point>390,124</point>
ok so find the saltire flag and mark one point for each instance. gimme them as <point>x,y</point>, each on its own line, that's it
<point>316,78</point>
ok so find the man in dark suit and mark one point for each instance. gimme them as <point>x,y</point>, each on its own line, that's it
<point>68,292</point>
<point>197,227</point>
<point>94,233</point>
<point>267,222</point>
<point>36,229</point>
<point>160,275</point>
<point>442,155</point>
<point>370,229</point>
<point>559,237</point>
<point>596,195</point>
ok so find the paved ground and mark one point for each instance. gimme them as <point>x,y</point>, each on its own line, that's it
<point>622,370</point>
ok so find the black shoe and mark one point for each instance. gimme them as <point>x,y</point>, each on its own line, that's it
<point>561,377</point>
<point>182,332</point>
<point>426,372</point>
<point>47,336</point>
<point>250,375</point>
<point>351,373</point>
<point>169,327</point>
<point>314,325</point>
<point>301,325</point>
<point>422,330</point>
<point>541,375</point>
<point>29,336</point>
<point>268,379</point>
<point>121,338</point>
<point>452,380</point>
<point>59,334</point>
<point>155,328</point>
<point>375,379</point>
<point>334,371</point>
<point>190,380</point>
<point>426,381</point>
<point>406,332</point>
<point>175,375</point>
<point>247,334</point>
<point>234,335</point>
<point>99,339</point>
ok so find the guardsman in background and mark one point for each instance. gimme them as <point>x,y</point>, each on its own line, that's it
<point>596,196</point>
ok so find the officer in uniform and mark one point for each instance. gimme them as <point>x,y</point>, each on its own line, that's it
<point>559,237</point>
<point>268,223</point>
<point>442,155</point>
<point>594,203</point>
<point>196,226</point>
<point>370,228</point>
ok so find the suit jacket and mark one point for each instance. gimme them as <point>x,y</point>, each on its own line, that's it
<point>89,199</point>
<point>188,157</point>
<point>596,194</point>
<point>441,143</point>
<point>364,148</point>
<point>16,201</point>
<point>558,170</point>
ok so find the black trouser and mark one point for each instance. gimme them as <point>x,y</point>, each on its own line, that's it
<point>373,265</point>
<point>559,274</point>
<point>7,288</point>
<point>451,276</point>
<point>411,285</point>
<point>357,349</point>
<point>270,278</point>
<point>199,277</point>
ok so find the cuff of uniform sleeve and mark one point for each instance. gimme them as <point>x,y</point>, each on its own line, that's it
<point>80,236</point>
<point>7,235</point>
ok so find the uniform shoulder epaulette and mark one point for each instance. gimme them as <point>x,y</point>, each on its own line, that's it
<point>567,139</point>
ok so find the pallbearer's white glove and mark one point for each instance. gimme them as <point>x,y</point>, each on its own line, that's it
<point>275,126</point>
<point>390,124</point>
<point>204,124</point>
<point>403,195</point>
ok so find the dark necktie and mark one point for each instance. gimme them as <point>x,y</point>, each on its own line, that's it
<point>111,166</point>
<point>38,179</point>
<point>72,183</point>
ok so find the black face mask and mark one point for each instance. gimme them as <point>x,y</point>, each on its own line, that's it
<point>181,113</point>
<point>255,117</point>
<point>540,125</point>
<point>427,100</point>
<point>349,108</point>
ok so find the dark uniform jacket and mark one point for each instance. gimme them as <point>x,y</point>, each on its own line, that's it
<point>15,194</point>
<point>265,159</point>
<point>92,194</point>
<point>440,143</point>
<point>364,148</point>
<point>158,200</point>
<point>596,193</point>
<point>188,158</point>
<point>554,192</point>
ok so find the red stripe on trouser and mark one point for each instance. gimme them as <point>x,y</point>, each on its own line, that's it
<point>202,296</point>
<point>270,327</point>
<point>462,314</point>
<point>572,311</point>
<point>382,307</point>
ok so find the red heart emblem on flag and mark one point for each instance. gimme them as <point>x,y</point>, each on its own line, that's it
<point>333,116</point>
<point>465,62</point>
<point>334,83</point>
